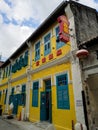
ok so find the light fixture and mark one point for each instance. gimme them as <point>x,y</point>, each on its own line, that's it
<point>82,53</point>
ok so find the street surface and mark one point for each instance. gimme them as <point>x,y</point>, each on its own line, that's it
<point>8,126</point>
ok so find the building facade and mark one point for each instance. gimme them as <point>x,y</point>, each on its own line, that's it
<point>42,78</point>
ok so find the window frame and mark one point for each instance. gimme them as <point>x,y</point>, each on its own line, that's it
<point>47,44</point>
<point>60,43</point>
<point>36,50</point>
<point>61,90</point>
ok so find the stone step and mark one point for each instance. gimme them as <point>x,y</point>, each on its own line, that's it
<point>44,125</point>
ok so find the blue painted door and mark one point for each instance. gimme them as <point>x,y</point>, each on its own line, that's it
<point>43,106</point>
<point>15,103</point>
<point>46,107</point>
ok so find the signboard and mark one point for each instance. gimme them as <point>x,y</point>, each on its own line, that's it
<point>79,103</point>
<point>64,28</point>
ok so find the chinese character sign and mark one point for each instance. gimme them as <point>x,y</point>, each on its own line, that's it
<point>64,28</point>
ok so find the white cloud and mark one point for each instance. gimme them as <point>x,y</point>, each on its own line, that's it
<point>90,3</point>
<point>12,36</point>
<point>1,20</point>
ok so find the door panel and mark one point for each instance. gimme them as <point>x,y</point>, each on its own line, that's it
<point>43,106</point>
<point>15,103</point>
<point>46,107</point>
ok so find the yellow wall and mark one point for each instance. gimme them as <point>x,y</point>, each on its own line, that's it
<point>61,118</point>
<point>3,89</point>
<point>19,72</point>
<point>65,49</point>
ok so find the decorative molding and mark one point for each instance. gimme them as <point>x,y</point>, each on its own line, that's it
<point>54,62</point>
<point>90,67</point>
<point>3,84</point>
<point>64,59</point>
<point>19,78</point>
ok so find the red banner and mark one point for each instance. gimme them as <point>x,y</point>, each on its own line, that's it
<point>64,28</point>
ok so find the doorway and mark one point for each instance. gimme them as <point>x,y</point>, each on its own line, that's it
<point>92,100</point>
<point>15,104</point>
<point>45,107</point>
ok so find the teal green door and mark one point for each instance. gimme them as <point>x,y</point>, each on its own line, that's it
<point>46,108</point>
<point>15,103</point>
<point>43,107</point>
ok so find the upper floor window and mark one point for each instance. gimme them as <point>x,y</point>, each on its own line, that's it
<point>20,62</point>
<point>58,43</point>
<point>47,46</point>
<point>25,59</point>
<point>9,70</point>
<point>4,73</point>
<point>37,51</point>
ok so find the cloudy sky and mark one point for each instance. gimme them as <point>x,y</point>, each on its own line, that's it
<point>19,18</point>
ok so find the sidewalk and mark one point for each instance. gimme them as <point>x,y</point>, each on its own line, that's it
<point>26,125</point>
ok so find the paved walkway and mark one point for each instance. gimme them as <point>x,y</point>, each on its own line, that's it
<point>26,125</point>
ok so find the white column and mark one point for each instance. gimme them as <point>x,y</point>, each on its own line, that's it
<point>9,89</point>
<point>28,85</point>
<point>76,70</point>
<point>7,97</point>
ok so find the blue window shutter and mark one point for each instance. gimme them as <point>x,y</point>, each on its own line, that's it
<point>62,92</point>
<point>60,98</point>
<point>25,62</point>
<point>60,43</point>
<point>23,88</point>
<point>35,98</point>
<point>37,51</point>
<point>47,44</point>
<point>5,96</point>
<point>9,70</point>
<point>18,63</point>
<point>35,94</point>
<point>21,61</point>
<point>12,92</point>
<point>12,68</point>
